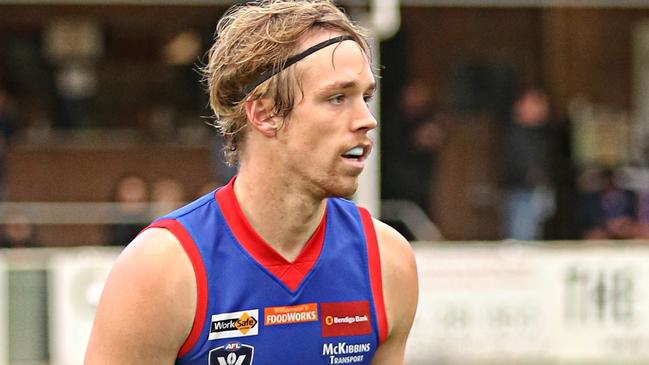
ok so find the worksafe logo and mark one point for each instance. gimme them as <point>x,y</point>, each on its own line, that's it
<point>234,353</point>
<point>234,324</point>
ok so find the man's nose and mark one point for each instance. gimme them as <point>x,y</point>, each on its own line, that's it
<point>363,117</point>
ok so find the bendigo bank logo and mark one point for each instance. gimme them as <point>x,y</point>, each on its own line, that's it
<point>235,324</point>
<point>345,319</point>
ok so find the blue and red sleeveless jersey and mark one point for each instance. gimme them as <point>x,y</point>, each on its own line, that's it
<point>256,308</point>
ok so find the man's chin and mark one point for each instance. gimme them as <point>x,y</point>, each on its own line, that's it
<point>346,190</point>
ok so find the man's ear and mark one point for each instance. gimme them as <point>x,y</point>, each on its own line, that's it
<point>261,117</point>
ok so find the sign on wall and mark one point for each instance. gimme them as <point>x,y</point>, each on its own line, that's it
<point>4,311</point>
<point>76,281</point>
<point>640,90</point>
<point>513,304</point>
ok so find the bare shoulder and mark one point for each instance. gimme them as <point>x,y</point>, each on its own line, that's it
<point>155,260</point>
<point>400,292</point>
<point>394,248</point>
<point>399,268</point>
<point>147,306</point>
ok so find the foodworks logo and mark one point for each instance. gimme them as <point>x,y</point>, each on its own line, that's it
<point>291,314</point>
<point>234,324</point>
<point>344,353</point>
<point>345,319</point>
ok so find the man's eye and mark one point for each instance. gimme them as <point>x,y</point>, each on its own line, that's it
<point>337,99</point>
<point>368,98</point>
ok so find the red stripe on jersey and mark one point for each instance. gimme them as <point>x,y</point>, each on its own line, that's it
<point>190,248</point>
<point>289,273</point>
<point>376,281</point>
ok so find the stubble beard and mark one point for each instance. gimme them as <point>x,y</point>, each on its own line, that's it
<point>341,186</point>
<point>333,183</point>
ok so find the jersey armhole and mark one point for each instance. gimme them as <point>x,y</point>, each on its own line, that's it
<point>194,256</point>
<point>376,281</point>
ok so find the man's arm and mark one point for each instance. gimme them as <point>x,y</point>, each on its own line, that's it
<point>147,307</point>
<point>400,292</point>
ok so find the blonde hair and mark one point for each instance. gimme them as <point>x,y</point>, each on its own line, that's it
<point>255,37</point>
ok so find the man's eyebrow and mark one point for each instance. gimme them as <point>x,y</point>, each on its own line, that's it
<point>342,85</point>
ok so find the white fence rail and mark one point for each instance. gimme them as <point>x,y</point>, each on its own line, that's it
<point>526,304</point>
<point>492,303</point>
<point>75,212</point>
<point>4,320</point>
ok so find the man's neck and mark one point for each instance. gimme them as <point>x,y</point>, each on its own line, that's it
<point>282,213</point>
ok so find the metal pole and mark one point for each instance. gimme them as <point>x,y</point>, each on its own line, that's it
<point>384,19</point>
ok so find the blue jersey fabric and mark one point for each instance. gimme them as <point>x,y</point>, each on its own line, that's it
<point>252,317</point>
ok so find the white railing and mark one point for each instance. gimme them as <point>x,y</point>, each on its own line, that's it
<point>502,303</point>
<point>75,212</point>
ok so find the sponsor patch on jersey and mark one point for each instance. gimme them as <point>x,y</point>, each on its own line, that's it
<point>346,353</point>
<point>234,353</point>
<point>345,318</point>
<point>291,314</point>
<point>235,324</point>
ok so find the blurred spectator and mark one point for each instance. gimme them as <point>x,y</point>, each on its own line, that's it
<point>527,153</point>
<point>8,124</point>
<point>642,228</point>
<point>166,195</point>
<point>413,137</point>
<point>159,122</point>
<point>608,212</point>
<point>131,195</point>
<point>18,231</point>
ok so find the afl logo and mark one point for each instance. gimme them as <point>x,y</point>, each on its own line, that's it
<point>234,353</point>
<point>233,346</point>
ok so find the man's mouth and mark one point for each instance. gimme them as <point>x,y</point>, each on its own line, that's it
<point>355,153</point>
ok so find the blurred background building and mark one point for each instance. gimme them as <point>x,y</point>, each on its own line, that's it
<point>486,107</point>
<point>92,90</point>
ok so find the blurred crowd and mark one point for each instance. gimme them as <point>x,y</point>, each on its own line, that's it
<point>135,203</point>
<point>542,192</point>
<point>139,203</point>
<point>540,184</point>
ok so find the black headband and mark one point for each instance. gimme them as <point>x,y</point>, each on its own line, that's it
<point>270,72</point>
